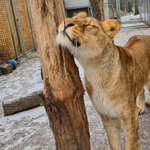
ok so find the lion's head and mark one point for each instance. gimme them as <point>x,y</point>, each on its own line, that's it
<point>82,30</point>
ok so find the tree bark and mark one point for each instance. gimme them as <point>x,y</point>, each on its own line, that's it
<point>98,9</point>
<point>63,91</point>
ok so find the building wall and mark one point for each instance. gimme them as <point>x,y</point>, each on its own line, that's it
<point>70,4</point>
<point>76,5</point>
<point>6,44</point>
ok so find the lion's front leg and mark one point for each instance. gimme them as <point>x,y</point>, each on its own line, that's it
<point>131,128</point>
<point>112,127</point>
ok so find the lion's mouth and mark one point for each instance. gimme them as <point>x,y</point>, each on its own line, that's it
<point>74,42</point>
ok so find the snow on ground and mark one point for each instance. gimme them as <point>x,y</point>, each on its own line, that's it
<point>29,130</point>
<point>22,81</point>
<point>125,34</point>
<point>130,17</point>
<point>132,20</point>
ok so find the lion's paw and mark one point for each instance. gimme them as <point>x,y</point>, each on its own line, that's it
<point>140,109</point>
<point>147,103</point>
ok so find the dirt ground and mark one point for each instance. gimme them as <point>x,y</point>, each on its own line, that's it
<point>29,130</point>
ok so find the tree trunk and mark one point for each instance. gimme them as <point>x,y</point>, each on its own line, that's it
<point>136,7</point>
<point>130,5</point>
<point>63,91</point>
<point>98,9</point>
<point>122,5</point>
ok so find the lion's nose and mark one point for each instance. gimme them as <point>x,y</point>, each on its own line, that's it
<point>68,23</point>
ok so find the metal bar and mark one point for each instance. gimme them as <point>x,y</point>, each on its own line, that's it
<point>17,25</point>
<point>30,50</point>
<point>118,11</point>
<point>140,8</point>
<point>14,44</point>
<point>91,11</point>
<point>30,24</point>
<point>113,11</point>
<point>147,10</point>
<point>144,10</point>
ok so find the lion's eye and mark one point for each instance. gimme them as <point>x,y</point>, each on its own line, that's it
<point>90,26</point>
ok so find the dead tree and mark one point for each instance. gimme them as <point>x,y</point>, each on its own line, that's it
<point>98,9</point>
<point>63,91</point>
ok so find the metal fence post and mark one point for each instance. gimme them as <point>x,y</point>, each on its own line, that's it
<point>148,16</point>
<point>30,24</point>
<point>17,25</point>
<point>118,11</point>
<point>147,4</point>
<point>14,44</point>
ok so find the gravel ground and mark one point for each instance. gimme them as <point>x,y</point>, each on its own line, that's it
<point>29,130</point>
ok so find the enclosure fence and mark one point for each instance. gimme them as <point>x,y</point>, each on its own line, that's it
<point>16,33</point>
<point>130,13</point>
<point>147,11</point>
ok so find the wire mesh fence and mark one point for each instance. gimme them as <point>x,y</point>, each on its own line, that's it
<point>146,11</point>
<point>16,35</point>
<point>148,14</point>
<point>130,13</point>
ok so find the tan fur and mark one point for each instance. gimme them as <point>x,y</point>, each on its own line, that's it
<point>148,103</point>
<point>111,27</point>
<point>141,102</point>
<point>114,76</point>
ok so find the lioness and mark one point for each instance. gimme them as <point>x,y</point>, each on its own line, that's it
<point>114,75</point>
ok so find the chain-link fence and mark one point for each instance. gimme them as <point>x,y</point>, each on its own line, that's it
<point>130,13</point>
<point>146,11</point>
<point>148,21</point>
<point>16,34</point>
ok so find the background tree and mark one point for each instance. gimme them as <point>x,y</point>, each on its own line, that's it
<point>136,7</point>
<point>123,5</point>
<point>63,91</point>
<point>130,5</point>
<point>98,9</point>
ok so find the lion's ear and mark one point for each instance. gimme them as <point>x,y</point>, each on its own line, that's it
<point>110,27</point>
<point>81,14</point>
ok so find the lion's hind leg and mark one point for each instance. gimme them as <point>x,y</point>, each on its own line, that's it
<point>112,127</point>
<point>141,102</point>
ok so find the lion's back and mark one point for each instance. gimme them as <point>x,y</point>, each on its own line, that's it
<point>139,44</point>
<point>139,47</point>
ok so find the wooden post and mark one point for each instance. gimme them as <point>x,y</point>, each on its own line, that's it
<point>63,91</point>
<point>98,9</point>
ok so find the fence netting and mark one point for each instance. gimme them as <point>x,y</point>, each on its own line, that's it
<point>15,29</point>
